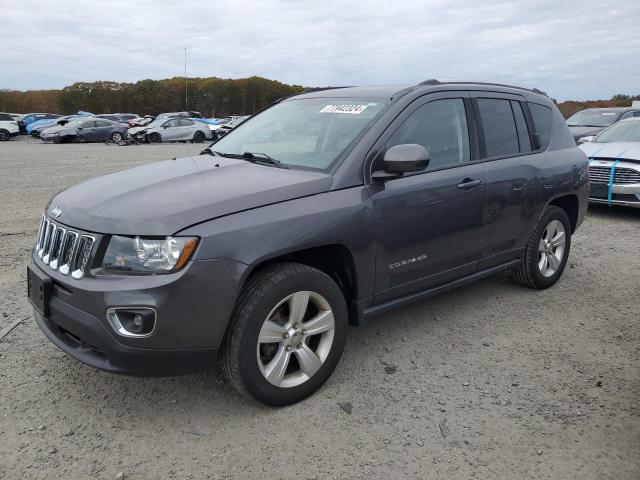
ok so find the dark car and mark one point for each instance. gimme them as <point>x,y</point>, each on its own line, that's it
<point>34,117</point>
<point>85,130</point>
<point>325,209</point>
<point>586,124</point>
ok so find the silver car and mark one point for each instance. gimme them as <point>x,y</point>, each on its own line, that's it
<point>170,130</point>
<point>614,164</point>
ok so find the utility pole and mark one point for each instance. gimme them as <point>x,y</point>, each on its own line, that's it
<point>186,102</point>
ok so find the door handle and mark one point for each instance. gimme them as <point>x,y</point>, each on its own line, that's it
<point>469,183</point>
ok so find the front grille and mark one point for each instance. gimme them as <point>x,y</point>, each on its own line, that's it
<point>622,175</point>
<point>64,250</point>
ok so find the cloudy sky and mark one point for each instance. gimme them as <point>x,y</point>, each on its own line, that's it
<point>571,49</point>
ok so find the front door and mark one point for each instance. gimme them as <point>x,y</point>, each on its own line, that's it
<point>428,223</point>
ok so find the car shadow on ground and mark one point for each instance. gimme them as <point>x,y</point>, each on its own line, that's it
<point>614,212</point>
<point>208,393</point>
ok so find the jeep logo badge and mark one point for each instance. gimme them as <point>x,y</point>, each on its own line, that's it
<point>56,212</point>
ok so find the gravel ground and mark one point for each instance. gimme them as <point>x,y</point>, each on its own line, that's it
<point>490,381</point>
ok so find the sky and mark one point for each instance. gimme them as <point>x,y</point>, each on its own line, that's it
<point>575,50</point>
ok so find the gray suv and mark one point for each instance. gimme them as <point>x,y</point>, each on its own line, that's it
<point>322,210</point>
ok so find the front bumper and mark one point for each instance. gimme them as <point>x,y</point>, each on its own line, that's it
<point>624,194</point>
<point>193,310</point>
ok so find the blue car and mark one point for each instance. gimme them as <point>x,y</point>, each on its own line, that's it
<point>34,117</point>
<point>34,128</point>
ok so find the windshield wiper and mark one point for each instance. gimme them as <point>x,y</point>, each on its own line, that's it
<point>259,158</point>
<point>263,158</point>
<point>208,151</point>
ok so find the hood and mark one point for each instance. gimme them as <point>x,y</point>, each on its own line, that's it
<point>56,129</point>
<point>578,132</point>
<point>165,197</point>
<point>135,130</point>
<point>613,150</point>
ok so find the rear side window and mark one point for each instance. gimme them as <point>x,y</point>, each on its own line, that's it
<point>542,123</point>
<point>5,116</point>
<point>498,123</point>
<point>440,127</point>
<point>521,124</point>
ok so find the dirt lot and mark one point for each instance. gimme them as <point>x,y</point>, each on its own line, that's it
<point>492,381</point>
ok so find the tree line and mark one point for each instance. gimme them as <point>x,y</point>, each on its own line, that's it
<point>214,97</point>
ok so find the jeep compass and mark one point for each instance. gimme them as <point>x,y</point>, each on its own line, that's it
<point>320,211</point>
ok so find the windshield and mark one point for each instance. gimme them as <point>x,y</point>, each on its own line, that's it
<point>307,133</point>
<point>625,131</point>
<point>593,118</point>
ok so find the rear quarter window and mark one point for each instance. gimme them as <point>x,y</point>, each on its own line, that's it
<point>541,123</point>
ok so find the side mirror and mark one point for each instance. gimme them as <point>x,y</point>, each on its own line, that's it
<point>586,139</point>
<point>400,159</point>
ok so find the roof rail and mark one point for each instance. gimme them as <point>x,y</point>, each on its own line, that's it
<point>431,81</point>
<point>437,82</point>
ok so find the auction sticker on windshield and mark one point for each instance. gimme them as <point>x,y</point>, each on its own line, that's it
<point>351,109</point>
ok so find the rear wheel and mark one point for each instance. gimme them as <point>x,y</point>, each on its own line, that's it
<point>287,334</point>
<point>547,250</point>
<point>116,137</point>
<point>199,137</point>
<point>4,135</point>
<point>154,137</point>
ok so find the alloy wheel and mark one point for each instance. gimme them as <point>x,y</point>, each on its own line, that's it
<point>295,339</point>
<point>551,248</point>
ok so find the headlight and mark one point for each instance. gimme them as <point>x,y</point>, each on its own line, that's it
<point>148,255</point>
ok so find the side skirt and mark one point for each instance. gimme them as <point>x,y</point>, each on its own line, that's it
<point>367,312</point>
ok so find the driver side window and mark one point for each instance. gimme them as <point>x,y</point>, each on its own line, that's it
<point>439,126</point>
<point>172,123</point>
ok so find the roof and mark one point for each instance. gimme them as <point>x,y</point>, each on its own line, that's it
<point>395,91</point>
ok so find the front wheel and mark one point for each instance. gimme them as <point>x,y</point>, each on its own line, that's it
<point>154,137</point>
<point>4,135</point>
<point>287,334</point>
<point>547,250</point>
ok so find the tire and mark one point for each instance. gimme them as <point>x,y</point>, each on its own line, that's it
<point>4,135</point>
<point>116,137</point>
<point>199,137</point>
<point>545,241</point>
<point>266,310</point>
<point>154,137</point>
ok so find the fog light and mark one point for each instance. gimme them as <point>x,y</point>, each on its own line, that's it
<point>132,321</point>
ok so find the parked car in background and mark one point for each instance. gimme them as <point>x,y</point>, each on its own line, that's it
<point>585,124</point>
<point>189,114</point>
<point>117,117</point>
<point>617,148</point>
<point>141,121</point>
<point>226,127</point>
<point>90,129</point>
<point>322,210</point>
<point>29,118</point>
<point>8,127</point>
<point>35,128</point>
<point>170,129</point>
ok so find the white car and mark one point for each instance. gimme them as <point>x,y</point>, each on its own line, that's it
<point>170,130</point>
<point>614,164</point>
<point>8,127</point>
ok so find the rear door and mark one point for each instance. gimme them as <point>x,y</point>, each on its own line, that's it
<point>187,129</point>
<point>102,130</point>
<point>427,223</point>
<point>516,175</point>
